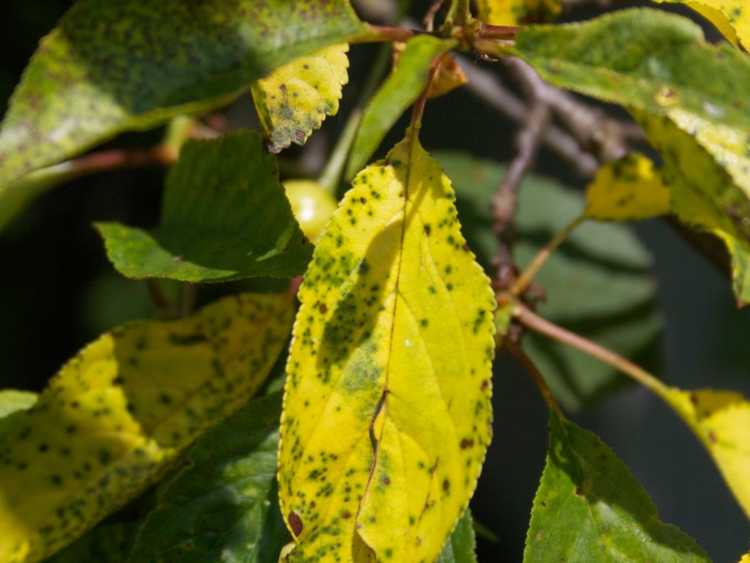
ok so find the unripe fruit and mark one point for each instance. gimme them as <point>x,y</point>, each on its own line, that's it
<point>311,204</point>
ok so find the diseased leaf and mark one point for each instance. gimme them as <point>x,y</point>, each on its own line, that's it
<point>108,543</point>
<point>721,420</point>
<point>627,189</point>
<point>117,414</point>
<point>589,507</point>
<point>225,217</point>
<point>399,91</point>
<point>461,546</point>
<point>700,126</point>
<point>223,505</point>
<point>598,283</point>
<point>294,99</point>
<point>110,67</point>
<point>731,17</point>
<point>12,401</point>
<point>387,412</point>
<point>512,12</point>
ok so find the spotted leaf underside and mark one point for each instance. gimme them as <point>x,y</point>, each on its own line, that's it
<point>118,413</point>
<point>293,100</point>
<point>700,126</point>
<point>387,412</point>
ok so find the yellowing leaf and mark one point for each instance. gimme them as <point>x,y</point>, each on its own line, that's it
<point>512,12</point>
<point>448,77</point>
<point>387,412</point>
<point>745,558</point>
<point>293,100</point>
<point>118,413</point>
<point>709,177</point>
<point>721,420</point>
<point>627,189</point>
<point>731,17</point>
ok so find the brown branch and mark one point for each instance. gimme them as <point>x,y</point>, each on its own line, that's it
<point>117,159</point>
<point>538,324</point>
<point>505,199</point>
<point>486,86</point>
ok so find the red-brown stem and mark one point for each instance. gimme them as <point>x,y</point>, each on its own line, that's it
<point>378,33</point>
<point>536,377</point>
<point>487,31</point>
<point>116,159</point>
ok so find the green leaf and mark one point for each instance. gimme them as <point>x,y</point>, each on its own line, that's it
<point>225,217</point>
<point>12,401</point>
<point>111,67</point>
<point>223,506</point>
<point>400,90</point>
<point>119,413</point>
<point>294,99</point>
<point>656,65</point>
<point>461,546</point>
<point>387,411</point>
<point>108,543</point>
<point>589,507</point>
<point>598,283</point>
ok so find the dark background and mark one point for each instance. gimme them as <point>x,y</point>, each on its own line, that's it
<point>57,292</point>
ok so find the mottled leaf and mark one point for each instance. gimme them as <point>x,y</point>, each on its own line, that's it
<point>117,414</point>
<point>225,217</point>
<point>656,65</point>
<point>222,507</point>
<point>721,420</point>
<point>731,17</point>
<point>387,412</point>
<point>598,283</point>
<point>627,189</point>
<point>461,546</point>
<point>400,90</point>
<point>109,67</point>
<point>589,507</point>
<point>12,401</point>
<point>294,99</point>
<point>513,12</point>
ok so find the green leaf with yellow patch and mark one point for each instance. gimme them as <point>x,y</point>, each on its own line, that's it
<point>225,217</point>
<point>590,507</point>
<point>110,67</point>
<point>721,421</point>
<point>387,412</point>
<point>117,415</point>
<point>627,189</point>
<point>701,127</point>
<point>514,12</point>
<point>399,91</point>
<point>294,99</point>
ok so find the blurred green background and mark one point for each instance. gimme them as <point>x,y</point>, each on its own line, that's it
<point>58,292</point>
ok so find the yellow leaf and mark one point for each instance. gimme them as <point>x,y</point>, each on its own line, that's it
<point>513,12</point>
<point>745,558</point>
<point>708,173</point>
<point>294,99</point>
<point>721,420</point>
<point>731,17</point>
<point>118,413</point>
<point>387,412</point>
<point>627,189</point>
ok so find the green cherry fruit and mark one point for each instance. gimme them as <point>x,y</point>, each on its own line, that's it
<point>311,204</point>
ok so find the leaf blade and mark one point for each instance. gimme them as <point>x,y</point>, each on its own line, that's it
<point>381,273</point>
<point>589,506</point>
<point>109,68</point>
<point>225,217</point>
<point>115,416</point>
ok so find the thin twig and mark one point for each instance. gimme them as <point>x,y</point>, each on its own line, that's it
<point>532,269</point>
<point>158,298</point>
<point>505,199</point>
<point>429,18</point>
<point>536,377</point>
<point>485,85</point>
<point>538,324</point>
